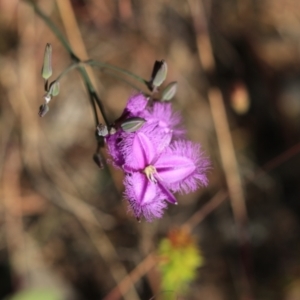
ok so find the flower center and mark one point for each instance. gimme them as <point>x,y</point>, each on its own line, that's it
<point>150,171</point>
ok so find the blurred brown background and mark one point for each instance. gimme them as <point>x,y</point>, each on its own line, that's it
<point>64,223</point>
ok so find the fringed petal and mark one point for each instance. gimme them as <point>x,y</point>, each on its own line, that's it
<point>183,166</point>
<point>144,196</point>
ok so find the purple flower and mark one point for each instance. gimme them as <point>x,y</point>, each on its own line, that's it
<point>113,142</point>
<point>153,172</point>
<point>156,159</point>
<point>161,115</point>
<point>158,116</point>
<point>136,104</point>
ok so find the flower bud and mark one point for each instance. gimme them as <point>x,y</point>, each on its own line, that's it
<point>54,88</point>
<point>159,73</point>
<point>133,124</point>
<point>44,108</point>
<point>112,130</point>
<point>169,91</point>
<point>98,160</point>
<point>47,65</point>
<point>102,130</point>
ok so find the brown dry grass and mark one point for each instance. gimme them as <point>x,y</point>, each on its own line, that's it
<point>65,224</point>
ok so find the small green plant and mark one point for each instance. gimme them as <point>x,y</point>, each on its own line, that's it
<point>179,258</point>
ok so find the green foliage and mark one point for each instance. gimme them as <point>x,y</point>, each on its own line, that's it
<point>36,294</point>
<point>179,260</point>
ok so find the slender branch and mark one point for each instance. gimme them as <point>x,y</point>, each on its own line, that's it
<point>122,79</point>
<point>93,106</point>
<point>103,65</point>
<point>93,93</point>
<point>68,69</point>
<point>74,57</point>
<point>54,29</point>
<point>78,63</point>
<point>109,72</point>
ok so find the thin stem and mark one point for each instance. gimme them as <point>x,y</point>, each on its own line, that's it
<point>78,64</point>
<point>122,79</point>
<point>103,65</point>
<point>94,108</point>
<point>54,29</point>
<point>93,93</point>
<point>74,57</point>
<point>67,70</point>
<point>109,72</point>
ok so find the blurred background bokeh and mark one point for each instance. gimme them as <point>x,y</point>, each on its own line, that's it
<point>65,229</point>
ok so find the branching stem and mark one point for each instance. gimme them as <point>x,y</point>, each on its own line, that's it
<point>78,64</point>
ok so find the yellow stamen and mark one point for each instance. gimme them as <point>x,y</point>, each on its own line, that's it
<point>150,171</point>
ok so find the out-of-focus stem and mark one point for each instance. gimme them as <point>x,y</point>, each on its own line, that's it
<point>229,161</point>
<point>227,152</point>
<point>220,120</point>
